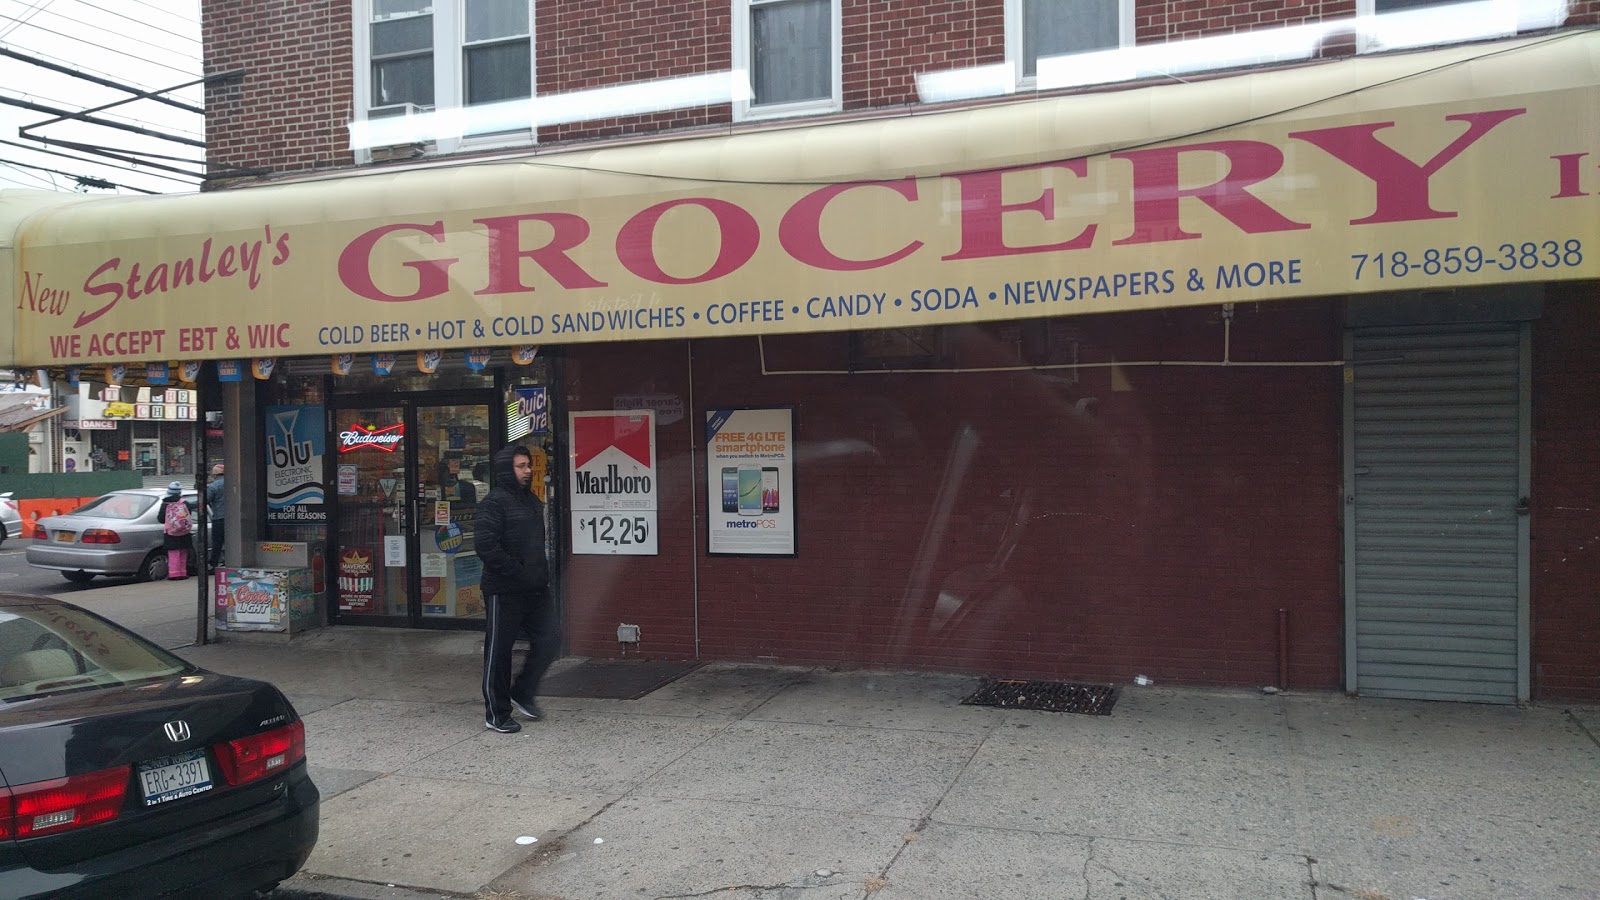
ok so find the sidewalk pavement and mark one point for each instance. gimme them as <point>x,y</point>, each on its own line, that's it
<point>745,782</point>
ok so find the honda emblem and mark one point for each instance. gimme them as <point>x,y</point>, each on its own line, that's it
<point>177,731</point>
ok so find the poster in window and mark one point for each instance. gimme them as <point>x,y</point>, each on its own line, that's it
<point>750,482</point>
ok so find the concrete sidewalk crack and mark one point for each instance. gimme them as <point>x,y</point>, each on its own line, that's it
<point>1578,723</point>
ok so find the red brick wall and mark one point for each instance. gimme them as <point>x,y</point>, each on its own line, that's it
<point>1166,520</point>
<point>1566,496</point>
<point>654,592</point>
<point>599,43</point>
<point>1167,20</point>
<point>887,43</point>
<point>289,112</point>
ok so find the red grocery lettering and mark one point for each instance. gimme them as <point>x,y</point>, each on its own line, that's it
<point>1156,193</point>
<point>737,232</point>
<point>983,213</point>
<point>567,231</point>
<point>355,269</point>
<point>1402,185</point>
<point>800,230</point>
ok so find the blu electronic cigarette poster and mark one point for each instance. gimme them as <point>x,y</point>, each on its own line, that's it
<point>750,482</point>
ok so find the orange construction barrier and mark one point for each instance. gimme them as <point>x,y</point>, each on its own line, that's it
<point>34,510</point>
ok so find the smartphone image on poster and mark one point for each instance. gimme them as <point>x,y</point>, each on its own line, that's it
<point>769,489</point>
<point>749,491</point>
<point>730,489</point>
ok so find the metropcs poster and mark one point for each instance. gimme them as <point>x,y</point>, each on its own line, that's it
<point>613,482</point>
<point>750,474</point>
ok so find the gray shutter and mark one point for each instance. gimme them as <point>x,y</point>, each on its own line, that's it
<point>1435,547</point>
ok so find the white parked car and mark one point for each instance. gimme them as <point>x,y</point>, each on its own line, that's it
<point>10,518</point>
<point>113,534</point>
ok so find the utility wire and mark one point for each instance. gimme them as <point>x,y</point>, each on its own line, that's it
<point>142,59</point>
<point>24,16</point>
<point>73,71</point>
<point>39,178</point>
<point>98,27</point>
<point>84,180</point>
<point>153,27</point>
<point>162,10</point>
<point>94,162</point>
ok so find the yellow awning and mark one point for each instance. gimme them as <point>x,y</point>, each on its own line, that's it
<point>1468,165</point>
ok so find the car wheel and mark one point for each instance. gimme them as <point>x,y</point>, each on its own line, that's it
<point>78,577</point>
<point>154,567</point>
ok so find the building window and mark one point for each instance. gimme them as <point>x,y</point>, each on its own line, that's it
<point>790,50</point>
<point>1043,28</point>
<point>421,57</point>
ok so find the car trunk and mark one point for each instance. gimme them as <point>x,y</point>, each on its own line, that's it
<point>82,732</point>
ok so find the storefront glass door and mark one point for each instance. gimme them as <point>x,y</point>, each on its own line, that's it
<point>453,475</point>
<point>408,480</point>
<point>374,513</point>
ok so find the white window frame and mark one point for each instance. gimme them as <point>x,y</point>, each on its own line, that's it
<point>1366,42</point>
<point>1014,20</point>
<point>744,109</point>
<point>449,78</point>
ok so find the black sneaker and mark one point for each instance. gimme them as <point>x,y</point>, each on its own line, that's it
<point>529,710</point>
<point>507,725</point>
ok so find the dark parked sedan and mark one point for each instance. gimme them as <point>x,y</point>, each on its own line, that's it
<point>126,772</point>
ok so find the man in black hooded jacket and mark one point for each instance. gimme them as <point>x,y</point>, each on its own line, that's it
<point>516,580</point>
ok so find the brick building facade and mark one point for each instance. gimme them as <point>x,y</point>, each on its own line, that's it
<point>1159,491</point>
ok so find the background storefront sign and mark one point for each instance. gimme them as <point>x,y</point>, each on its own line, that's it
<point>441,512</point>
<point>449,536</point>
<point>750,479</point>
<point>357,580</point>
<point>668,407</point>
<point>528,413</point>
<point>1373,176</point>
<point>157,373</point>
<point>296,439</point>
<point>394,551</point>
<point>613,482</point>
<point>348,479</point>
<point>229,370</point>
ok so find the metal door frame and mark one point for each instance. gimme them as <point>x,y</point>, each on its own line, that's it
<point>408,404</point>
<point>1352,683</point>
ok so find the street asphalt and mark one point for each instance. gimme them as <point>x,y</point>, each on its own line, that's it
<point>760,782</point>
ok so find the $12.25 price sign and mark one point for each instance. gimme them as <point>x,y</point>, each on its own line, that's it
<point>613,482</point>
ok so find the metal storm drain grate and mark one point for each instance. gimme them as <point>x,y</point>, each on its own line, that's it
<point>1050,696</point>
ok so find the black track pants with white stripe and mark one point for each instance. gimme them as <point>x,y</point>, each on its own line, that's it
<point>509,617</point>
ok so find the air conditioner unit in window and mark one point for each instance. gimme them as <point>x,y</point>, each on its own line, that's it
<point>404,149</point>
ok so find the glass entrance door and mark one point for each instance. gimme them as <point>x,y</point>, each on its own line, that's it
<point>452,476</point>
<point>408,481</point>
<point>374,513</point>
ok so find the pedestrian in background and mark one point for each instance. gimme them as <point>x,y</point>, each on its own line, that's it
<point>177,528</point>
<point>509,531</point>
<point>217,503</point>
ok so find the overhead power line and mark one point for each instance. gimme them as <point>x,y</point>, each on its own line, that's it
<point>191,180</point>
<point>142,59</point>
<point>39,178</point>
<point>23,18</point>
<point>146,24</point>
<point>126,37</point>
<point>82,180</point>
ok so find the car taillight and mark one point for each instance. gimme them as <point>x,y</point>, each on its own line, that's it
<point>62,804</point>
<point>100,536</point>
<point>246,759</point>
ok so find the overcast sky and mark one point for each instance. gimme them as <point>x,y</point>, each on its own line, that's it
<point>146,44</point>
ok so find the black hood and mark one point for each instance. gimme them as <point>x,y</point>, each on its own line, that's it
<point>505,475</point>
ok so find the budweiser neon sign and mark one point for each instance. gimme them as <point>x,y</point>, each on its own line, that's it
<point>363,436</point>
